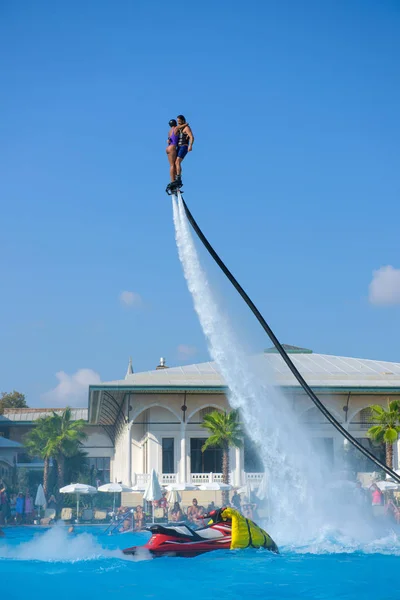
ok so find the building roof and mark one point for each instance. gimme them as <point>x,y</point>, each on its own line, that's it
<point>319,370</point>
<point>5,443</point>
<point>323,372</point>
<point>29,415</point>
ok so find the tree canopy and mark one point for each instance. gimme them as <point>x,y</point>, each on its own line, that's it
<point>12,399</point>
<point>387,426</point>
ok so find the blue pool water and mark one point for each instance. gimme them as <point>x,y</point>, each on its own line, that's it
<point>49,563</point>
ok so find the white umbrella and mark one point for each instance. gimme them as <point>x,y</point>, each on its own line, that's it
<point>139,487</point>
<point>262,492</point>
<point>114,488</point>
<point>214,486</point>
<point>246,490</point>
<point>173,496</point>
<point>153,490</point>
<point>40,499</point>
<point>180,487</point>
<point>387,486</point>
<point>78,489</point>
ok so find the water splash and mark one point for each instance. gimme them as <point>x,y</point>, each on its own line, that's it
<point>57,545</point>
<point>299,501</point>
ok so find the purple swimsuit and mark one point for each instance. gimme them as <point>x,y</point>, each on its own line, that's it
<point>173,138</point>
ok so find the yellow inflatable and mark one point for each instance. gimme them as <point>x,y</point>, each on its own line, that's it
<point>246,534</point>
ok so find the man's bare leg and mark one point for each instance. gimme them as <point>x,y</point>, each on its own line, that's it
<point>178,166</point>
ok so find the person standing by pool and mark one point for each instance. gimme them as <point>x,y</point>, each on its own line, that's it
<point>3,502</point>
<point>19,508</point>
<point>28,508</point>
<point>52,503</point>
<point>377,496</point>
<point>235,500</point>
<point>139,518</point>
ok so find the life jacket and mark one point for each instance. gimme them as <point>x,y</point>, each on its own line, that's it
<point>183,138</point>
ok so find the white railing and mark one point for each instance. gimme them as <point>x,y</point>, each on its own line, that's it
<point>167,478</point>
<point>199,478</point>
<point>142,478</point>
<point>254,477</point>
<point>196,478</point>
<point>163,478</point>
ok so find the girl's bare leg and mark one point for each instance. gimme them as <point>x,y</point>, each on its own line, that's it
<point>172,168</point>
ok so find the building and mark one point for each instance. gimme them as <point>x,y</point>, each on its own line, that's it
<point>153,419</point>
<point>8,457</point>
<point>16,423</point>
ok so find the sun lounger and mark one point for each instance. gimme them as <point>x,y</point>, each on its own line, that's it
<point>100,515</point>
<point>87,515</point>
<point>49,516</point>
<point>66,514</point>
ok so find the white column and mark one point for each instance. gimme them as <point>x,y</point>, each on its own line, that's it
<point>182,470</point>
<point>396,455</point>
<point>129,478</point>
<point>239,467</point>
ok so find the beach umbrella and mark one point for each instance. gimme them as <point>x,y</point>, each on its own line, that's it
<point>181,487</point>
<point>214,486</point>
<point>114,488</point>
<point>153,490</point>
<point>139,487</point>
<point>246,490</point>
<point>40,499</point>
<point>173,496</point>
<point>387,486</point>
<point>78,489</point>
<point>262,492</point>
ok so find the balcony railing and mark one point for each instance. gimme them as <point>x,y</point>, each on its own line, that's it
<point>254,477</point>
<point>196,478</point>
<point>163,478</point>
<point>199,478</point>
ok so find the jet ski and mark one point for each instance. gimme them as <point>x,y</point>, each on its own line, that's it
<point>227,530</point>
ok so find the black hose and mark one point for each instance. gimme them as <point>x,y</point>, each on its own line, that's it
<point>282,351</point>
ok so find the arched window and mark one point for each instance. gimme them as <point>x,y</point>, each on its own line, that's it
<point>206,411</point>
<point>364,418</point>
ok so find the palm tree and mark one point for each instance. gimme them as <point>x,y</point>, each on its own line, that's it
<point>36,444</point>
<point>387,426</point>
<point>226,432</point>
<point>64,439</point>
<point>57,437</point>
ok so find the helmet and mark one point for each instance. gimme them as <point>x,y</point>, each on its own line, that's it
<point>172,123</point>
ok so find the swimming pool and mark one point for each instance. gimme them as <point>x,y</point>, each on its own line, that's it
<point>50,563</point>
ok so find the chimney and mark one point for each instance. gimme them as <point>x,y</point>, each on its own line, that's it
<point>162,364</point>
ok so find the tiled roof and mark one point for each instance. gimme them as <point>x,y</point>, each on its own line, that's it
<point>5,443</point>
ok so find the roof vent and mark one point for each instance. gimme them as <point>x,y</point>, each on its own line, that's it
<point>162,364</point>
<point>130,369</point>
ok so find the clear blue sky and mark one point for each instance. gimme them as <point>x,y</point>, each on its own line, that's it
<point>294,176</point>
